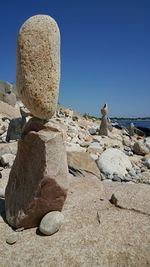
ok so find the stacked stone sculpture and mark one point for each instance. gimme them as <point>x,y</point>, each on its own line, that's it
<point>38,180</point>
<point>104,121</point>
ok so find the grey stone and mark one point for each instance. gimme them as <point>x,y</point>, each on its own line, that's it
<point>92,131</point>
<point>132,172</point>
<point>12,238</point>
<point>51,223</point>
<point>104,126</point>
<point>15,129</point>
<point>116,178</point>
<point>147,163</point>
<point>131,129</point>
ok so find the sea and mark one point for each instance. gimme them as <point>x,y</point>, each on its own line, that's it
<point>137,123</point>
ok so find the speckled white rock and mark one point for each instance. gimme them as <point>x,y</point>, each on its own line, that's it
<point>38,65</point>
<point>112,161</point>
<point>51,222</point>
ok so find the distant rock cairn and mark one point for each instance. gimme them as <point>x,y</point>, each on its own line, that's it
<point>38,65</point>
<point>105,125</point>
<point>38,180</point>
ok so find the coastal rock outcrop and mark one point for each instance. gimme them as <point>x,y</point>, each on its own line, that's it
<point>38,65</point>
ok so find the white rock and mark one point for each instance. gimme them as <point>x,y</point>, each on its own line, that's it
<point>7,160</point>
<point>94,156</point>
<point>74,147</point>
<point>95,148</point>
<point>2,192</point>
<point>51,222</point>
<point>12,238</point>
<point>112,161</point>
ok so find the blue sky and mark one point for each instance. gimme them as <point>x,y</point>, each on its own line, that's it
<point>105,51</point>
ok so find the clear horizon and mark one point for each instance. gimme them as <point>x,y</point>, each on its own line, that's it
<point>105,52</point>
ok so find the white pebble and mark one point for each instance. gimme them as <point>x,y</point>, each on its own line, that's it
<point>51,222</point>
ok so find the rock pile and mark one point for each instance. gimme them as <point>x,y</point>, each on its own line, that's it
<point>38,180</point>
<point>105,125</point>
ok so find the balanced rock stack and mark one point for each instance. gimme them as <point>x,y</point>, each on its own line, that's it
<point>38,180</point>
<point>105,124</point>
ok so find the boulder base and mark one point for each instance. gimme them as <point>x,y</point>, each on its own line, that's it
<point>38,181</point>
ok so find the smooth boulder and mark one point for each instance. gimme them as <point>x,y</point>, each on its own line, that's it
<point>38,65</point>
<point>112,161</point>
<point>51,223</point>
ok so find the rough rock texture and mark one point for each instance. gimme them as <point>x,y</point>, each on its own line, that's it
<point>9,111</point>
<point>82,161</point>
<point>112,161</point>
<point>38,180</point>
<point>15,129</point>
<point>133,197</point>
<point>38,65</point>
<point>104,126</point>
<point>6,148</point>
<point>7,160</point>
<point>140,148</point>
<point>95,233</point>
<point>51,222</point>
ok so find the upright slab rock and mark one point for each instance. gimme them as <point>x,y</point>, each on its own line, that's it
<point>38,180</point>
<point>38,65</point>
<point>105,125</point>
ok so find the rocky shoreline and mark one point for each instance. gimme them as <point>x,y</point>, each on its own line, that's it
<point>81,135</point>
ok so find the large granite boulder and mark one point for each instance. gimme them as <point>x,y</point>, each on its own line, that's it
<point>38,65</point>
<point>38,180</point>
<point>112,161</point>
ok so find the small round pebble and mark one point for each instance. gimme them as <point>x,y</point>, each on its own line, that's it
<point>51,222</point>
<point>12,238</point>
